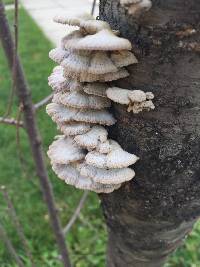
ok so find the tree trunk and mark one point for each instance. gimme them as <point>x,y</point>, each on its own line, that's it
<point>149,216</point>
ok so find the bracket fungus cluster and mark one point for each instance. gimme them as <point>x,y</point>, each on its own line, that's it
<point>136,100</point>
<point>136,7</point>
<point>89,58</point>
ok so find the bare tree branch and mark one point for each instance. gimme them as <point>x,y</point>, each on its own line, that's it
<point>12,91</point>
<point>10,246</point>
<point>18,226</point>
<point>76,213</point>
<point>43,102</point>
<point>93,6</point>
<point>11,121</point>
<point>23,92</point>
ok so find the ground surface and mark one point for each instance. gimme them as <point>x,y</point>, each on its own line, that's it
<point>87,239</point>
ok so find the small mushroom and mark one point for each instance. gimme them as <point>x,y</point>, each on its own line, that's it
<point>137,96</point>
<point>104,40</point>
<point>73,128</point>
<point>138,8</point>
<point>60,114</point>
<point>61,84</point>
<point>128,2</point>
<point>65,150</point>
<point>88,77</point>
<point>107,176</point>
<point>117,158</point>
<point>118,95</point>
<point>101,64</point>
<point>136,100</point>
<point>77,62</point>
<point>81,100</point>
<point>123,58</point>
<point>58,54</point>
<point>71,175</point>
<point>93,26</point>
<point>92,138</point>
<point>98,89</point>
<point>73,20</point>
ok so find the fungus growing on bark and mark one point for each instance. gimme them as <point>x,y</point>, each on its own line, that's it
<point>71,175</point>
<point>84,157</point>
<point>92,138</point>
<point>136,100</point>
<point>81,100</point>
<point>98,89</point>
<point>73,20</point>
<point>136,7</point>
<point>65,150</point>
<point>107,176</point>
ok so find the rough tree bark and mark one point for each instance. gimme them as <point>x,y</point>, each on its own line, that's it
<point>148,217</point>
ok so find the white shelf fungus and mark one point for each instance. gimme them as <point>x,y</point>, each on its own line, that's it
<point>65,150</point>
<point>136,100</point>
<point>83,156</point>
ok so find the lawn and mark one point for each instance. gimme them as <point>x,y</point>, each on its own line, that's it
<point>8,2</point>
<point>87,238</point>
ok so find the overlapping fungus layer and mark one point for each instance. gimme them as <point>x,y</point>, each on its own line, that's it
<point>88,58</point>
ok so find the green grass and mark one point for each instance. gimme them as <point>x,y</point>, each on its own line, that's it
<point>8,2</point>
<point>87,239</point>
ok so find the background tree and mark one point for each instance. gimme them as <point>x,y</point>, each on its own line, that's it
<point>148,217</point>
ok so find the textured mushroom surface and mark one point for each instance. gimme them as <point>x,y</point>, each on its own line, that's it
<point>138,8</point>
<point>81,100</point>
<point>136,100</point>
<point>107,176</point>
<point>61,113</point>
<point>71,175</point>
<point>65,150</point>
<point>104,40</point>
<point>98,89</point>
<point>73,128</point>
<point>123,58</point>
<point>89,59</point>
<point>92,138</point>
<point>73,20</point>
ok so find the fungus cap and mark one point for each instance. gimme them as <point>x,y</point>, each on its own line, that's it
<point>123,58</point>
<point>93,26</point>
<point>60,113</point>
<point>71,175</point>
<point>73,20</point>
<point>81,100</point>
<point>88,77</point>
<point>59,83</point>
<point>118,95</point>
<point>98,89</point>
<point>73,128</point>
<point>92,138</point>
<point>100,63</point>
<point>65,150</point>
<point>137,96</point>
<point>117,158</point>
<point>139,8</point>
<point>104,40</point>
<point>58,54</point>
<point>107,176</point>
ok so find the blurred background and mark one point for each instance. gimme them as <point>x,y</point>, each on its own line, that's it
<point>20,190</point>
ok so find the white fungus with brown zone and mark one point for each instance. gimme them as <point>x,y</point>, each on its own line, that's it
<point>89,58</point>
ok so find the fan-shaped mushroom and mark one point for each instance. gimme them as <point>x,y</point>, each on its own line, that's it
<point>107,176</point>
<point>65,150</point>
